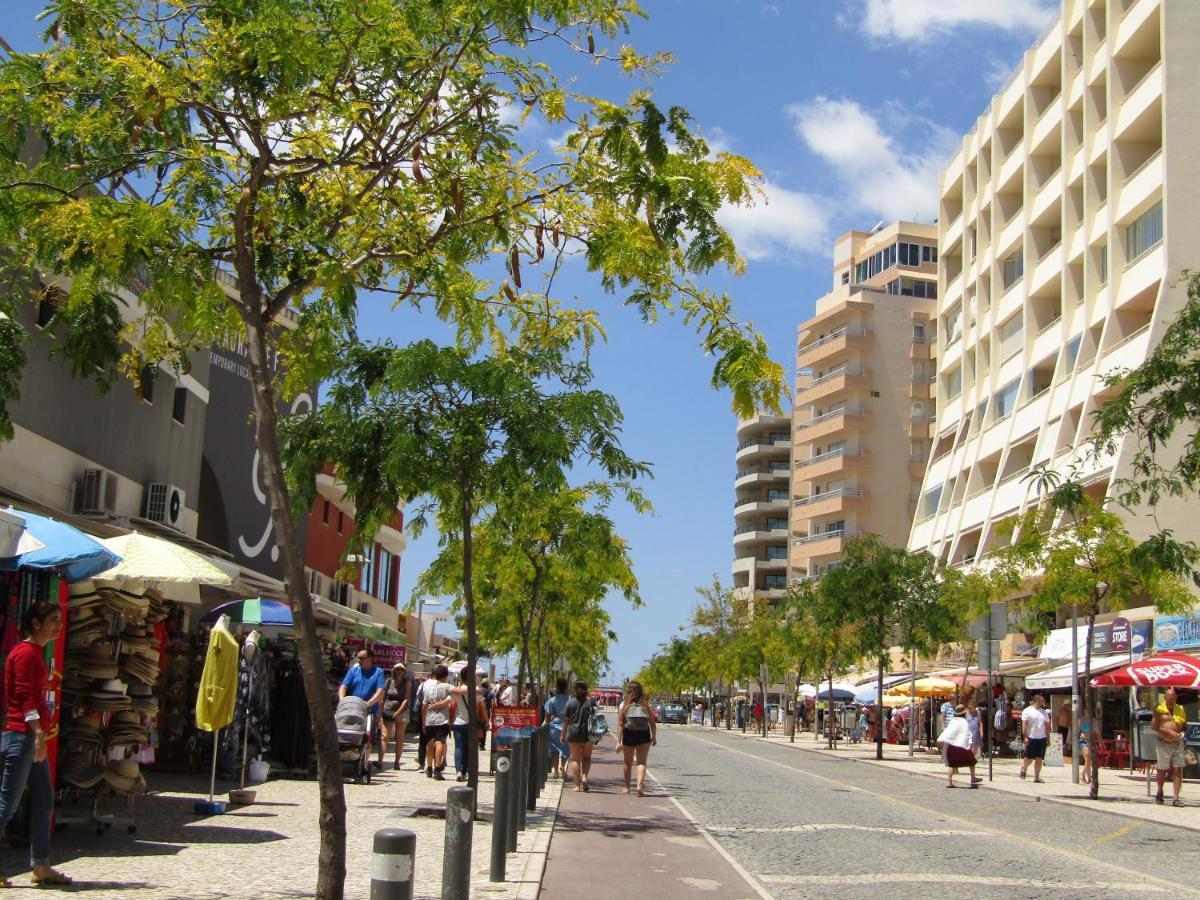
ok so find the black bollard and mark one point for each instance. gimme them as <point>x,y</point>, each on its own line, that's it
<point>544,768</point>
<point>500,814</point>
<point>531,771</point>
<point>521,765</point>
<point>392,864</point>
<point>456,859</point>
<point>511,804</point>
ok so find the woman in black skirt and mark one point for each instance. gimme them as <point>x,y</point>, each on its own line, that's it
<point>636,734</point>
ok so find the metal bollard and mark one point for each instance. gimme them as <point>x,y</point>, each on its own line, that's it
<point>392,864</point>
<point>544,756</point>
<point>510,806</point>
<point>531,770</point>
<point>500,814</point>
<point>456,859</point>
<point>522,767</point>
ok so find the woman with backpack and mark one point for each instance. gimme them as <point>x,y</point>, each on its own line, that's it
<point>636,734</point>
<point>577,734</point>
<point>554,709</point>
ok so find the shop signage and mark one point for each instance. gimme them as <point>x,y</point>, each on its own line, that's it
<point>1192,736</point>
<point>387,655</point>
<point>1119,635</point>
<point>1054,750</point>
<point>1176,632</point>
<point>509,722</point>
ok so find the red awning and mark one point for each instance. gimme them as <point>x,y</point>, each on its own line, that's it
<point>1161,670</point>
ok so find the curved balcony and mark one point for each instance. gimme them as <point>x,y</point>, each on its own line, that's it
<point>765,475</point>
<point>757,448</point>
<point>758,506</point>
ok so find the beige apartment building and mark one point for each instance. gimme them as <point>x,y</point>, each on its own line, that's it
<point>1066,219</point>
<point>863,404</point>
<point>760,506</point>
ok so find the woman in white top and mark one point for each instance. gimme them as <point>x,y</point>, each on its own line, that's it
<point>435,712</point>
<point>956,742</point>
<point>636,734</point>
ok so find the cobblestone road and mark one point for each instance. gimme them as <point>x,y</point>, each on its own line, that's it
<point>807,825</point>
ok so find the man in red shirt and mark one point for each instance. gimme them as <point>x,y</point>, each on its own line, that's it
<point>26,681</point>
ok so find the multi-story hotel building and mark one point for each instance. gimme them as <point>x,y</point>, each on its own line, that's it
<point>1066,218</point>
<point>760,506</point>
<point>863,406</point>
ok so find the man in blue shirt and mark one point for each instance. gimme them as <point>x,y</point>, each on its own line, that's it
<point>366,681</point>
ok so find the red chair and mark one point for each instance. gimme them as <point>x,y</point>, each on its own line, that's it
<point>1103,752</point>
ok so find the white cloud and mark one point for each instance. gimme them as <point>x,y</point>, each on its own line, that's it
<point>879,176</point>
<point>923,20</point>
<point>785,223</point>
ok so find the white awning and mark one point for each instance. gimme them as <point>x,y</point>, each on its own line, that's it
<point>1060,677</point>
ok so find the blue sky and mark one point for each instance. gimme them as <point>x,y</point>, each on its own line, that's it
<point>848,107</point>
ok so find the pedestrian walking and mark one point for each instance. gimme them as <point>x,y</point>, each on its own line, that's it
<point>416,721</point>
<point>366,681</point>
<point>554,709</point>
<point>956,743</point>
<point>1170,725</point>
<point>462,724</point>
<point>576,733</point>
<point>637,732</point>
<point>1062,721</point>
<point>975,724</point>
<point>396,697</point>
<point>26,681</point>
<point>435,708</point>
<point>1035,726</point>
<point>505,695</point>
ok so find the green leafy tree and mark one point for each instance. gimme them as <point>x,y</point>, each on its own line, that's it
<point>401,424</point>
<point>827,643</point>
<point>1071,551</point>
<point>314,149</point>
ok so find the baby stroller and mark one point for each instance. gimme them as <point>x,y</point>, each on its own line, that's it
<point>354,738</point>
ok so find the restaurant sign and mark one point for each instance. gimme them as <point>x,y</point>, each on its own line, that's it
<point>1177,632</point>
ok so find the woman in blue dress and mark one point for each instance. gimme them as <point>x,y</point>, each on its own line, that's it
<point>554,709</point>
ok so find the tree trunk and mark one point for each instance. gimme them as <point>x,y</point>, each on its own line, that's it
<point>331,860</point>
<point>525,664</point>
<point>473,722</point>
<point>830,726</point>
<point>879,712</point>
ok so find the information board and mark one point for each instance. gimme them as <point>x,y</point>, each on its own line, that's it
<point>509,722</point>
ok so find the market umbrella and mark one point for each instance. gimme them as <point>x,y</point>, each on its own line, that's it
<point>253,611</point>
<point>65,550</point>
<point>152,559</point>
<point>806,690</point>
<point>15,538</point>
<point>926,687</point>
<point>843,693</point>
<point>1161,670</point>
<point>456,667</point>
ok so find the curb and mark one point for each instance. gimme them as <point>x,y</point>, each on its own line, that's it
<point>1074,803</point>
<point>527,866</point>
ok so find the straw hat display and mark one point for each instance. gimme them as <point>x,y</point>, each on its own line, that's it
<point>77,771</point>
<point>124,776</point>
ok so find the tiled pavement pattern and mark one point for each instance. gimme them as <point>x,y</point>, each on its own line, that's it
<point>270,849</point>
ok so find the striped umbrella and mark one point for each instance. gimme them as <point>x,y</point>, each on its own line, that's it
<point>253,611</point>
<point>154,560</point>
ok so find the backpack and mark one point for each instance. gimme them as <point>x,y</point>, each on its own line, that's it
<point>636,718</point>
<point>598,727</point>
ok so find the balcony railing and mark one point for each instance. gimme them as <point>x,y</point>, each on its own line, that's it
<point>1138,171</point>
<point>824,536</point>
<point>749,500</point>
<point>832,336</point>
<point>833,414</point>
<point>828,454</point>
<point>829,376</point>
<point>761,470</point>
<point>827,495</point>
<point>763,442</point>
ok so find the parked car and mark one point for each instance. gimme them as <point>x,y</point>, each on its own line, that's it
<point>674,714</point>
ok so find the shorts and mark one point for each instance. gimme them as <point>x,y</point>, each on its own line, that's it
<point>437,732</point>
<point>635,738</point>
<point>958,758</point>
<point>1036,749</point>
<point>1170,756</point>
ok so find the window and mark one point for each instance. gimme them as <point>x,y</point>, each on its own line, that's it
<point>929,254</point>
<point>1014,268</point>
<point>834,527</point>
<point>777,494</point>
<point>1071,353</point>
<point>384,591</point>
<point>918,410</point>
<point>341,521</point>
<point>953,324</point>
<point>954,383</point>
<point>913,287</point>
<point>875,263</point>
<point>775,524</point>
<point>1104,264</point>
<point>1011,336</point>
<point>1006,399</point>
<point>930,501</point>
<point>47,306</point>
<point>366,575</point>
<point>775,582</point>
<point>778,466</point>
<point>919,332</point>
<point>1144,232</point>
<point>777,553</point>
<point>325,513</point>
<point>146,383</point>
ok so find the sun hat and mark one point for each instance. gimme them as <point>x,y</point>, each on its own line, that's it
<point>960,710</point>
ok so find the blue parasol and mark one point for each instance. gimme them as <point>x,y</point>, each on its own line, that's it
<point>253,611</point>
<point>66,550</point>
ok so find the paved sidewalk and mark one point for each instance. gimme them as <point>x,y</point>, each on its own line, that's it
<point>269,849</point>
<point>1120,793</point>
<point>612,844</point>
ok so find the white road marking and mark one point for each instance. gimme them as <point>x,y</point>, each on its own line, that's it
<point>841,826</point>
<point>737,866</point>
<point>956,878</point>
<point>1143,883</point>
<point>701,884</point>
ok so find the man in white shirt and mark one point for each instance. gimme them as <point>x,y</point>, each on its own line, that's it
<point>1035,726</point>
<point>504,696</point>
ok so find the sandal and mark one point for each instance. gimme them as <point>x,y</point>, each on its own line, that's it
<point>51,877</point>
<point>5,883</point>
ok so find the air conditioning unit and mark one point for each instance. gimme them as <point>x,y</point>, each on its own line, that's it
<point>98,492</point>
<point>164,503</point>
